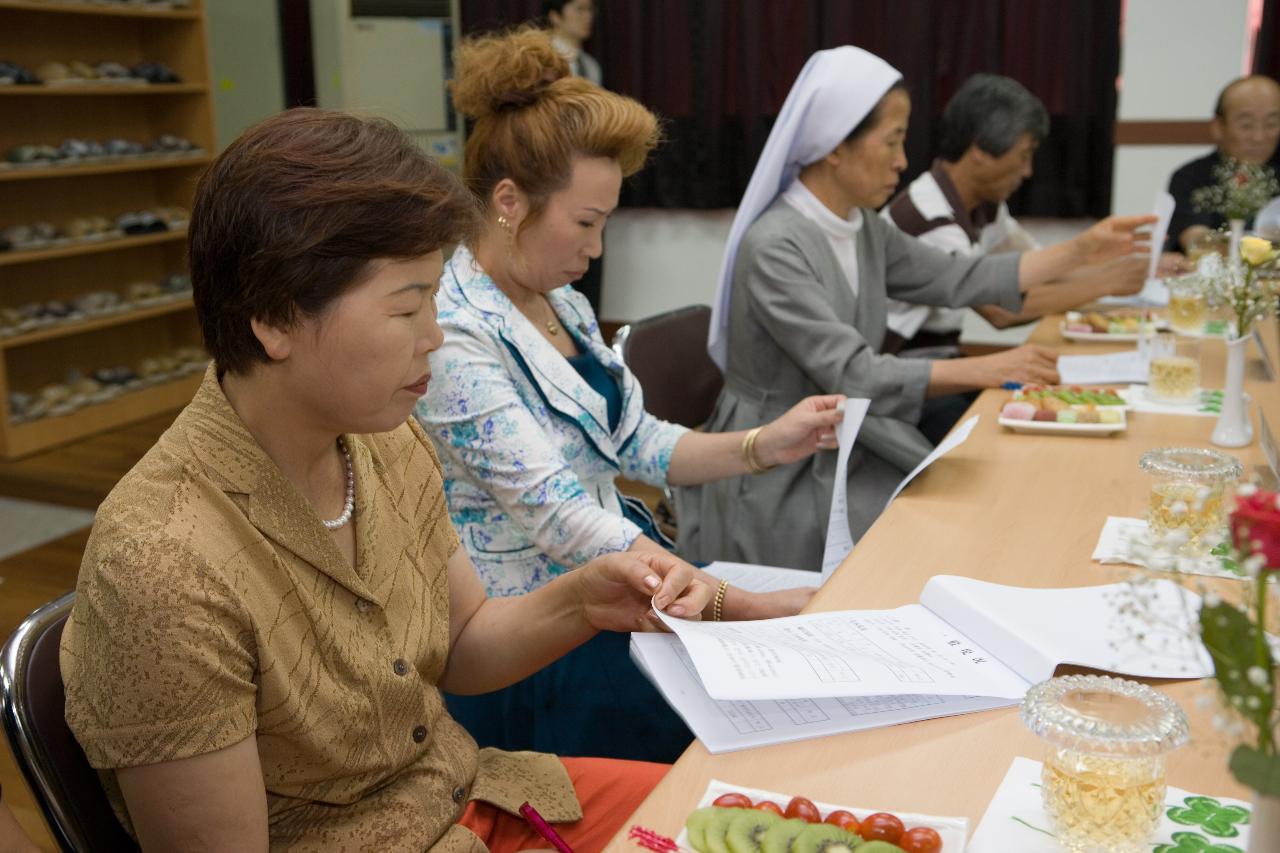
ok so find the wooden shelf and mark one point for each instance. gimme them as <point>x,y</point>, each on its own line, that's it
<point>143,164</point>
<point>68,8</point>
<point>31,32</point>
<point>42,90</point>
<point>32,255</point>
<point>21,439</point>
<point>66,329</point>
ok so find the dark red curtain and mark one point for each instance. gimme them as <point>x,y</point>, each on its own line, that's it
<point>1266,49</point>
<point>717,71</point>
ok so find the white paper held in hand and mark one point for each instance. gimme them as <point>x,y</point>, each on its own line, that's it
<point>1163,209</point>
<point>839,538</point>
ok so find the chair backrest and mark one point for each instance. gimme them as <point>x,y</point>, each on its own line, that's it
<point>668,355</point>
<point>33,706</point>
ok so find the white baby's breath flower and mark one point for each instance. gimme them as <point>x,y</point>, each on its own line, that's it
<point>1258,676</point>
<point>1176,538</point>
<point>1253,703</point>
<point>1246,490</point>
<point>1254,565</point>
<point>1212,599</point>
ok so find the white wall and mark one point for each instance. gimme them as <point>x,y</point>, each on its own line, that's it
<point>1176,55</point>
<point>244,51</point>
<point>657,260</point>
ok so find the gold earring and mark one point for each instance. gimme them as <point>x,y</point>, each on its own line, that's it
<point>504,224</point>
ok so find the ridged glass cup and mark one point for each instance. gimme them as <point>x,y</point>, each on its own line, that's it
<point>1103,782</point>
<point>1190,497</point>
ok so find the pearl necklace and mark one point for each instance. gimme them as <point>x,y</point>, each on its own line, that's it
<point>349,506</point>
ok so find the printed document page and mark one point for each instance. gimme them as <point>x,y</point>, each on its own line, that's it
<point>1146,629</point>
<point>839,538</point>
<point>850,653</point>
<point>724,726</point>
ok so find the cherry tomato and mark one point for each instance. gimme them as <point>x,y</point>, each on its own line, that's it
<point>732,801</point>
<point>920,839</point>
<point>769,806</point>
<point>803,809</point>
<point>881,826</point>
<point>843,819</point>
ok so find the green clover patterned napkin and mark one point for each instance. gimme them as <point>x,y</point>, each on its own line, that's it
<point>1191,823</point>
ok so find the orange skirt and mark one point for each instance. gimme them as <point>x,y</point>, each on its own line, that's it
<point>608,789</point>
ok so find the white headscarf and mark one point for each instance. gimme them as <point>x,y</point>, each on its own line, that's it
<point>836,90</point>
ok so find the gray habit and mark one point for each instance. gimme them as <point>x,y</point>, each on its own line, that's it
<point>796,329</point>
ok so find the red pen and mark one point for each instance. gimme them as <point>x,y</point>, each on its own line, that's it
<point>544,829</point>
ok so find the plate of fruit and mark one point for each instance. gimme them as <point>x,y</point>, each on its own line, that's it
<point>1064,410</point>
<point>1111,326</point>
<point>734,819</point>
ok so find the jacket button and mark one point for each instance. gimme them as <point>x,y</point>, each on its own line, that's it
<point>363,605</point>
<point>400,667</point>
<point>419,734</point>
<point>459,794</point>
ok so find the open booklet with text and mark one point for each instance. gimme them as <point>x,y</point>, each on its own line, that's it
<point>967,646</point>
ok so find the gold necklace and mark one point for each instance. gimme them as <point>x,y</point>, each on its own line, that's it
<point>553,327</point>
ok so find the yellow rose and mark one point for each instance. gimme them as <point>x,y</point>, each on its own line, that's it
<point>1256,251</point>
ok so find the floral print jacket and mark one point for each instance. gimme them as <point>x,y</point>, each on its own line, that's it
<point>529,459</point>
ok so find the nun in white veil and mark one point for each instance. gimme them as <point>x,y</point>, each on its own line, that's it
<point>802,303</point>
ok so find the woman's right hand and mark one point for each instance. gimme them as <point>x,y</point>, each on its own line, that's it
<point>1027,364</point>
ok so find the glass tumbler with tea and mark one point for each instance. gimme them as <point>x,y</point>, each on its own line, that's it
<point>1106,741</point>
<point>1173,373</point>
<point>1190,497</point>
<point>1188,305</point>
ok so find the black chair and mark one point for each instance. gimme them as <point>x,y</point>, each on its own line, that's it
<point>33,706</point>
<point>668,355</point>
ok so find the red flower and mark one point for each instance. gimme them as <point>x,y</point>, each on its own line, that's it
<point>1241,179</point>
<point>1255,526</point>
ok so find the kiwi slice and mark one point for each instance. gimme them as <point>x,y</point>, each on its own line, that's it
<point>696,826</point>
<point>778,838</point>
<point>718,828</point>
<point>747,830</point>
<point>879,846</point>
<point>826,838</point>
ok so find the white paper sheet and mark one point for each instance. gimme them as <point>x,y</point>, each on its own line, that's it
<point>958,436</point>
<point>853,653</point>
<point>1127,541</point>
<point>725,726</point>
<point>1111,369</point>
<point>1163,209</point>
<point>1016,820</point>
<point>1147,628</point>
<point>839,538</point>
<point>1268,366</point>
<point>762,578</point>
<point>1267,439</point>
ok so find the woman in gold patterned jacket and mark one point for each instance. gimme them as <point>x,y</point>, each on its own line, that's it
<point>273,598</point>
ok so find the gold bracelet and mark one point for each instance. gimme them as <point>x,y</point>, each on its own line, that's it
<point>719,605</point>
<point>749,453</point>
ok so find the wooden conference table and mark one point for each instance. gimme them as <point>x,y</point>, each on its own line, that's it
<point>1015,509</point>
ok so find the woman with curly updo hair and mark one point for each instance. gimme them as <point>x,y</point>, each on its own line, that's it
<point>535,417</point>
